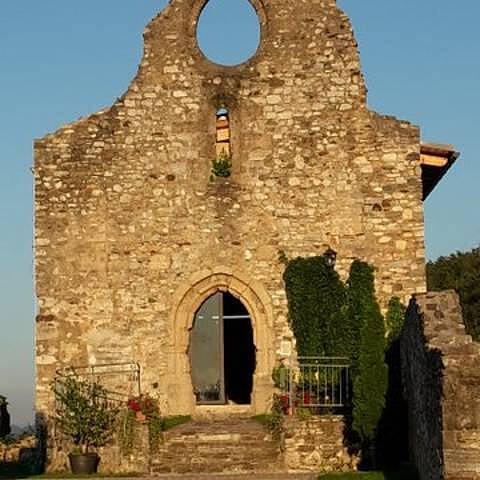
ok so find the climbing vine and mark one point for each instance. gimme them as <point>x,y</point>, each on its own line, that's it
<point>330,318</point>
<point>316,296</point>
<point>394,319</point>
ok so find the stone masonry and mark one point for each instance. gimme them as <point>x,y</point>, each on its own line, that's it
<point>442,386</point>
<point>132,234</point>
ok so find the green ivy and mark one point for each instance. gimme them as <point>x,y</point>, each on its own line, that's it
<point>329,318</point>
<point>156,424</point>
<point>316,297</point>
<point>126,430</point>
<point>395,318</point>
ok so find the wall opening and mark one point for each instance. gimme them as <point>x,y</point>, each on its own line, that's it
<point>222,352</point>
<point>223,136</point>
<point>228,31</point>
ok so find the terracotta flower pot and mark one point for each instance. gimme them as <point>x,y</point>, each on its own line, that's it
<point>84,463</point>
<point>140,416</point>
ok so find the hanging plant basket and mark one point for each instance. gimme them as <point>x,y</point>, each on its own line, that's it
<point>140,417</point>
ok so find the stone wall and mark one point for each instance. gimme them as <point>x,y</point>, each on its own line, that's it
<point>21,453</point>
<point>317,445</point>
<point>442,386</point>
<point>313,445</point>
<point>132,234</point>
<point>113,458</point>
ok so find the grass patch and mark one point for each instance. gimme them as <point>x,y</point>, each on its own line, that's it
<point>353,476</point>
<point>263,419</point>
<point>403,474</point>
<point>52,476</point>
<point>175,421</point>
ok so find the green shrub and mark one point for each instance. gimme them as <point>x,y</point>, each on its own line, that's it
<point>222,165</point>
<point>370,370</point>
<point>84,412</point>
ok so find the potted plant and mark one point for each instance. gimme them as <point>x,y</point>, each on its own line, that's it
<point>85,414</point>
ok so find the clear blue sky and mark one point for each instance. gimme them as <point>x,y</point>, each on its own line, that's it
<point>62,59</point>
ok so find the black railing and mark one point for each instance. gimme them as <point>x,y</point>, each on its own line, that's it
<point>320,384</point>
<point>121,380</point>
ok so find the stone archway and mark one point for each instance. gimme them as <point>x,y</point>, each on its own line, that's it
<point>186,302</point>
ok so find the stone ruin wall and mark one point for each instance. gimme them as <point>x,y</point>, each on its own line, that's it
<point>442,387</point>
<point>317,445</point>
<point>127,218</point>
<point>22,453</point>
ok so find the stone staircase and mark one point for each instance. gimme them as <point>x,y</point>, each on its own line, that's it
<point>226,446</point>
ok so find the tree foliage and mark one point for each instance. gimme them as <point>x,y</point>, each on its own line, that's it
<point>461,272</point>
<point>4,418</point>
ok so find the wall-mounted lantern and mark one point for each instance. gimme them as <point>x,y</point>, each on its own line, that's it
<point>330,257</point>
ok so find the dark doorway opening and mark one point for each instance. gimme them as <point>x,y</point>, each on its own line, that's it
<point>239,351</point>
<point>222,352</point>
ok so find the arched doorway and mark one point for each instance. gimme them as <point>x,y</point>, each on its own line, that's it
<point>222,351</point>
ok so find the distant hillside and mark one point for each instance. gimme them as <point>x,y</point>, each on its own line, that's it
<point>16,430</point>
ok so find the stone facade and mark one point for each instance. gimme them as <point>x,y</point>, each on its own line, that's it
<point>132,234</point>
<point>442,385</point>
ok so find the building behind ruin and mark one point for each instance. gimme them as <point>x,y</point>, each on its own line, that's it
<point>144,255</point>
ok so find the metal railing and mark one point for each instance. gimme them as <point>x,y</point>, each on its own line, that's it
<point>321,384</point>
<point>121,380</point>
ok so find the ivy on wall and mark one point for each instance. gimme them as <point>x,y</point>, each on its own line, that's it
<point>316,296</point>
<point>330,318</point>
<point>394,319</point>
<point>392,436</point>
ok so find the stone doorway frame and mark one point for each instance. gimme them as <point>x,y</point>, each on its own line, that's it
<point>186,301</point>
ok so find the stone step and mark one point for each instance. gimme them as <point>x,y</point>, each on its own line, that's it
<point>224,446</point>
<point>206,449</point>
<point>258,476</point>
<point>213,469</point>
